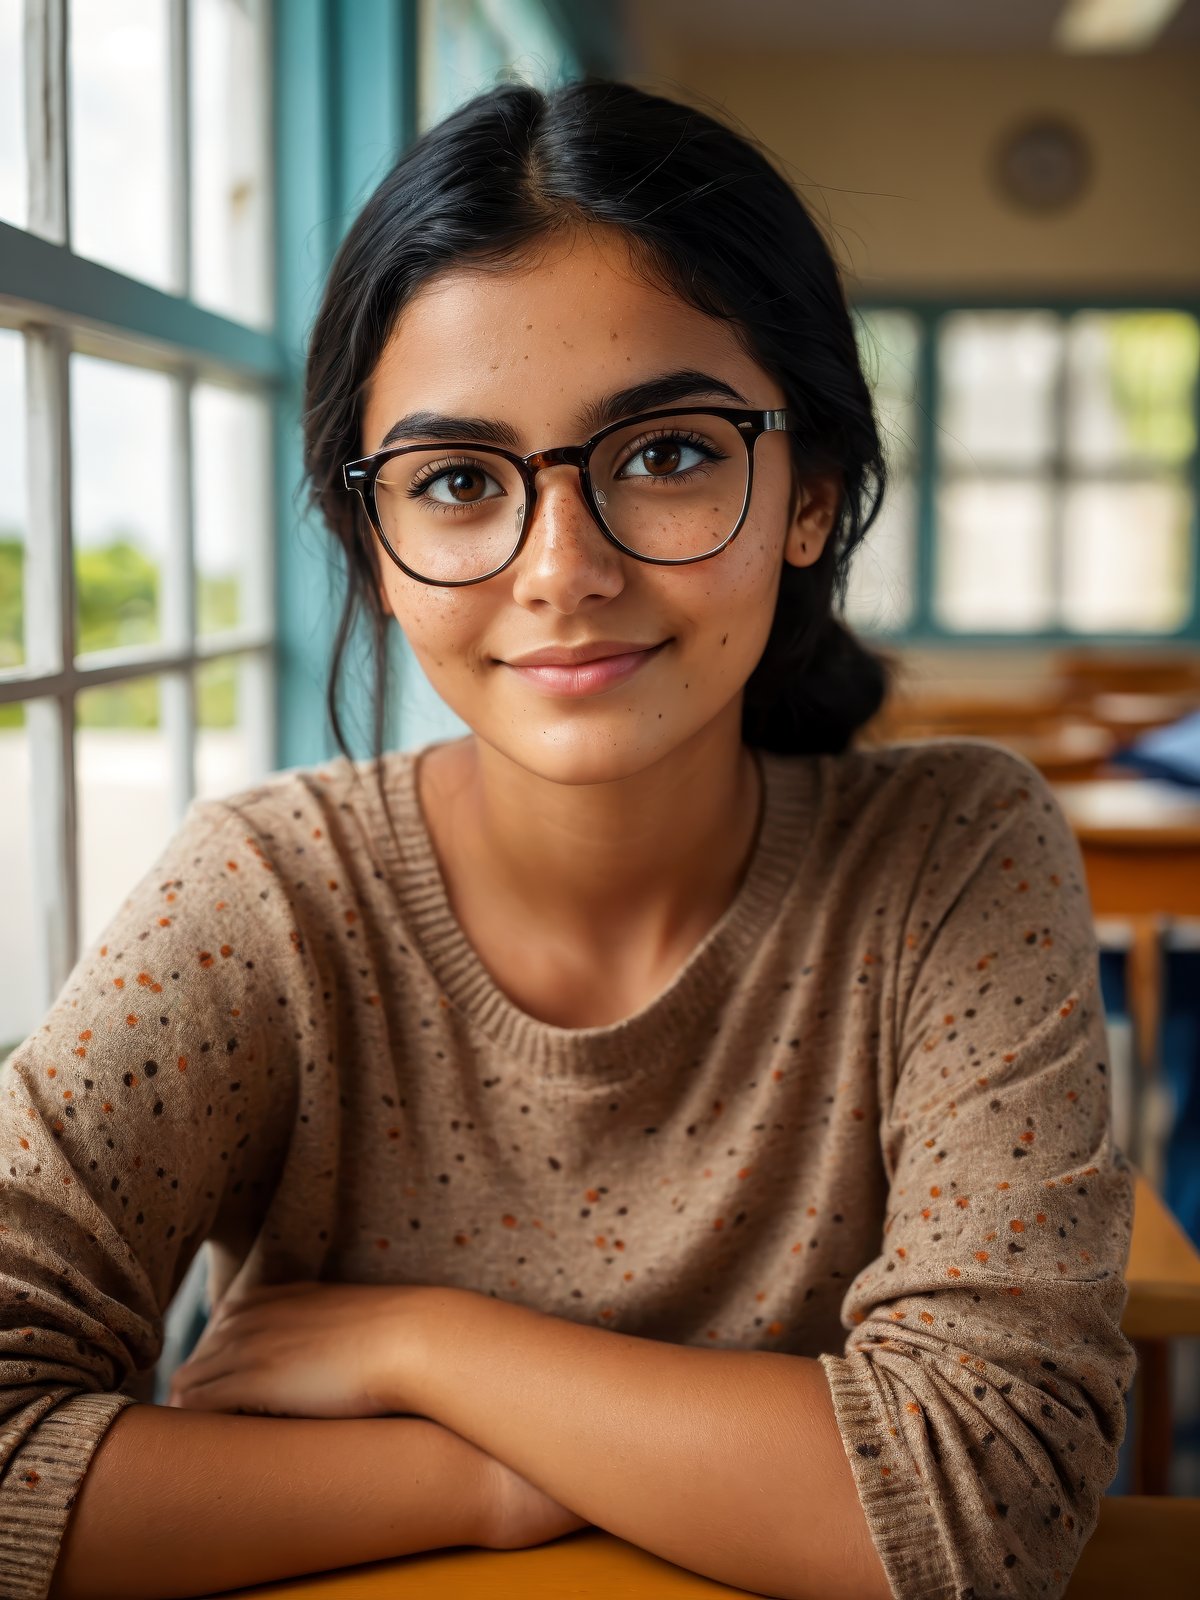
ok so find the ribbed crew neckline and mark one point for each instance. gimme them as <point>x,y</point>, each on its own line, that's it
<point>630,1047</point>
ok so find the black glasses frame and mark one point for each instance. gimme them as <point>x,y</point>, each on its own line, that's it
<point>361,476</point>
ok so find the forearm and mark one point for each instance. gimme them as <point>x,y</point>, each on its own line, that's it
<point>182,1502</point>
<point>727,1462</point>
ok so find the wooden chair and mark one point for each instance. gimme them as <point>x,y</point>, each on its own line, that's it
<point>1143,1545</point>
<point>1163,1275</point>
<point>1080,675</point>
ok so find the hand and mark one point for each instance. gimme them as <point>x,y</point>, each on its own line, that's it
<point>302,1350</point>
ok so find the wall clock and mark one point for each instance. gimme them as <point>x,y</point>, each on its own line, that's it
<point>1044,164</point>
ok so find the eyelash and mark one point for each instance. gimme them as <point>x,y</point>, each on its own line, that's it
<point>432,472</point>
<point>696,442</point>
<point>435,469</point>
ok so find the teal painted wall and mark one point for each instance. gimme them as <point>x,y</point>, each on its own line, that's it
<point>345,74</point>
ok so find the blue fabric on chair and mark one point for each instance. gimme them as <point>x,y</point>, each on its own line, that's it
<point>1171,752</point>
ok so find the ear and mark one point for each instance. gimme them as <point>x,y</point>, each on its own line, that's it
<point>814,513</point>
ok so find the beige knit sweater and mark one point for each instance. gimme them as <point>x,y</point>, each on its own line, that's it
<point>869,1120</point>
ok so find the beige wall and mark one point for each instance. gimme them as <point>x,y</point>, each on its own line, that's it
<point>899,148</point>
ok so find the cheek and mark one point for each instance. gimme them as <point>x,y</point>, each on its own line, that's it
<point>730,604</point>
<point>444,630</point>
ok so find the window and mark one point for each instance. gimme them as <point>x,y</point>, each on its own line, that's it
<point>138,382</point>
<point>1046,462</point>
<point>465,44</point>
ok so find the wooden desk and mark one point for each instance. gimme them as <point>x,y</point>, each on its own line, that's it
<point>1140,842</point>
<point>1140,839</point>
<point>1163,1273</point>
<point>1141,1545</point>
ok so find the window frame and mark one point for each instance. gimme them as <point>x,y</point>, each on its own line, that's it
<point>923,626</point>
<point>61,303</point>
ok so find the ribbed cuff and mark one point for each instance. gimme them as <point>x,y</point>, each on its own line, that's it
<point>39,1487</point>
<point>896,1502</point>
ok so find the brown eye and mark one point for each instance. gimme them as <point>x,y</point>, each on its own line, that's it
<point>661,458</point>
<point>464,486</point>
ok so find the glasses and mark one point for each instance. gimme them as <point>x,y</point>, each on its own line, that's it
<point>668,487</point>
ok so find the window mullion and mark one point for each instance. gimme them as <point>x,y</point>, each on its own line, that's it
<point>924,618</point>
<point>46,118</point>
<point>1059,476</point>
<point>50,631</point>
<point>177,696</point>
<point>181,149</point>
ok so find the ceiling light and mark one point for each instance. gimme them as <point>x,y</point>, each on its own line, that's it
<point>1112,24</point>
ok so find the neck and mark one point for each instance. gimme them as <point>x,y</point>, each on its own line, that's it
<point>641,865</point>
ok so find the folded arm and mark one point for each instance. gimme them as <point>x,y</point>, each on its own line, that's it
<point>187,1503</point>
<point>726,1462</point>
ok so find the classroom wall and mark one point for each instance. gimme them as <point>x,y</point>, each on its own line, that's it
<point>899,148</point>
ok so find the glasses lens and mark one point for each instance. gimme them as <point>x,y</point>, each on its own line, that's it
<point>450,512</point>
<point>674,487</point>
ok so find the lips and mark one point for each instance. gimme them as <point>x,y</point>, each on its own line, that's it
<point>579,655</point>
<point>588,677</point>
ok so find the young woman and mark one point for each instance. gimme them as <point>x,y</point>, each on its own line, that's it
<point>652,1110</point>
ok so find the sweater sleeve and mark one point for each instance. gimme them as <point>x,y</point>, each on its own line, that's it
<point>981,1390</point>
<point>154,1093</point>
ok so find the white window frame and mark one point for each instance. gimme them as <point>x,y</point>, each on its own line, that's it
<point>62,303</point>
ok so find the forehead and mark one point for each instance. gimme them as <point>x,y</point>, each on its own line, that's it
<point>537,340</point>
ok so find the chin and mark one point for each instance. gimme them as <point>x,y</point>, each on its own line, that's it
<point>585,755</point>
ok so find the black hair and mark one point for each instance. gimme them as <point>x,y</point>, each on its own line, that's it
<point>708,216</point>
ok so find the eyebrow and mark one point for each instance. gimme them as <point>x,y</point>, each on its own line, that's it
<point>662,390</point>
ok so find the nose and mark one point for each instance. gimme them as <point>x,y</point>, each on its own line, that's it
<point>557,504</point>
<point>566,557</point>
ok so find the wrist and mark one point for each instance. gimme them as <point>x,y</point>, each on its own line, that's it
<point>405,1368</point>
<point>465,1483</point>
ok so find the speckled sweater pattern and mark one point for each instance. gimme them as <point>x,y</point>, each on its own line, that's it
<point>867,1121</point>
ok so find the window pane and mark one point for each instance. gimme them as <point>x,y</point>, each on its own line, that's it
<point>465,43</point>
<point>14,177</point>
<point>879,594</point>
<point>121,498</point>
<point>1127,554</point>
<point>122,777</point>
<point>998,372</point>
<point>994,556</point>
<point>230,118</point>
<point>19,978</point>
<point>1132,388</point>
<point>232,444</point>
<point>13,499</point>
<point>889,344</point>
<point>232,724</point>
<point>120,138</point>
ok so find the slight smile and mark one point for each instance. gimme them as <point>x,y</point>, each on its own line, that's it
<point>588,677</point>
